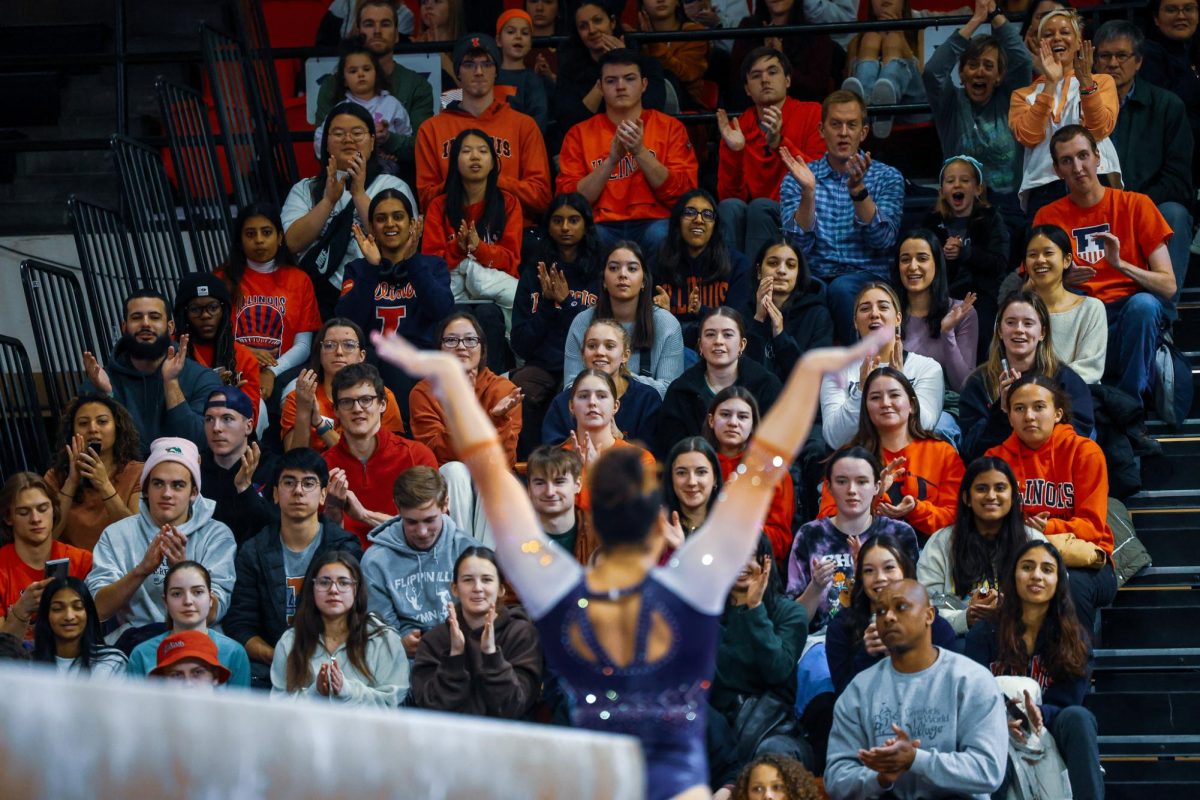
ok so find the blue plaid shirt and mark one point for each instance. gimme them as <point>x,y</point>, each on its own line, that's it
<point>839,243</point>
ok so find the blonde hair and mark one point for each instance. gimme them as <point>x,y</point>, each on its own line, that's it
<point>1069,13</point>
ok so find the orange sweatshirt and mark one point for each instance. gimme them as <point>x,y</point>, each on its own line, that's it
<point>502,252</point>
<point>933,474</point>
<point>686,60</point>
<point>778,524</point>
<point>758,171</point>
<point>524,166</point>
<point>1030,121</point>
<point>428,420</point>
<point>628,195</point>
<point>1066,477</point>
<point>583,500</point>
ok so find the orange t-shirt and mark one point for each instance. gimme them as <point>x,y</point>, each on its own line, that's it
<point>583,500</point>
<point>628,195</point>
<point>1130,216</point>
<point>392,421</point>
<point>88,516</point>
<point>275,307</point>
<point>16,575</point>
<point>933,474</point>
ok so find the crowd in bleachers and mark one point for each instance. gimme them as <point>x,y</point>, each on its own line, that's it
<point>244,494</point>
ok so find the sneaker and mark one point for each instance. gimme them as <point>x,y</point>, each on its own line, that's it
<point>883,94</point>
<point>853,84</point>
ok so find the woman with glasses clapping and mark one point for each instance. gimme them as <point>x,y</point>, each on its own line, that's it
<point>308,418</point>
<point>335,648</point>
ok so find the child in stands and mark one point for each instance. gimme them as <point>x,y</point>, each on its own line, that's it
<point>514,37</point>
<point>358,79</point>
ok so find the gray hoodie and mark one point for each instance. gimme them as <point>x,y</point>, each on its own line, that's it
<point>123,544</point>
<point>409,588</point>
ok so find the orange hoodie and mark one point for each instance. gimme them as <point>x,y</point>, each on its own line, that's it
<point>428,420</point>
<point>1067,478</point>
<point>524,166</point>
<point>933,474</point>
<point>778,524</point>
<point>502,252</point>
<point>628,195</point>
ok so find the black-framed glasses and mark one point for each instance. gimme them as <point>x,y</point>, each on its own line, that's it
<point>706,214</point>
<point>453,342</point>
<point>364,402</point>
<point>204,310</point>
<point>347,346</point>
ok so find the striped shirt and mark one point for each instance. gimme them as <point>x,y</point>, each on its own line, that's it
<point>839,242</point>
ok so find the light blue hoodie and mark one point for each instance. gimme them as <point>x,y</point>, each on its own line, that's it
<point>123,544</point>
<point>409,588</point>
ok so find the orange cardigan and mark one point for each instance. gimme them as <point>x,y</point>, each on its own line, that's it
<point>933,474</point>
<point>428,420</point>
<point>1030,121</point>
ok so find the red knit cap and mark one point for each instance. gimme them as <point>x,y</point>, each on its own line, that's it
<point>510,14</point>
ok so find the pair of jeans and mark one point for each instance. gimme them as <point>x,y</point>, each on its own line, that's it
<point>746,227</point>
<point>1179,247</point>
<point>1135,327</point>
<point>648,233</point>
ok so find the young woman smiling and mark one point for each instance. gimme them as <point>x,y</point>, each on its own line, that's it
<point>68,632</point>
<point>486,658</point>
<point>1022,345</point>
<point>1078,324</point>
<point>1035,635</point>
<point>935,325</point>
<point>606,348</point>
<point>789,315</point>
<point>722,344</point>
<point>962,564</point>
<point>923,471</point>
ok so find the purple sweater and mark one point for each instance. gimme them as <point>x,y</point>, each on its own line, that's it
<point>955,351</point>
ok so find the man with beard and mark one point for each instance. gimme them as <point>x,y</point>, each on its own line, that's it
<point>233,468</point>
<point>163,390</point>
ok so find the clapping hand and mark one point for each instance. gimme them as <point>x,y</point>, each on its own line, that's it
<point>957,312</point>
<point>731,131</point>
<point>367,245</point>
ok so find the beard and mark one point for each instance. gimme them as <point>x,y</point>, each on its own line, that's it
<point>145,351</point>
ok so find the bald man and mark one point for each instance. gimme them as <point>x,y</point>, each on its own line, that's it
<point>922,723</point>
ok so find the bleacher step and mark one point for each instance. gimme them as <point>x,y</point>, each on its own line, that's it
<point>1146,713</point>
<point>1159,627</point>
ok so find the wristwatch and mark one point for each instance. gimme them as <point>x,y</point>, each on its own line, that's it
<point>863,195</point>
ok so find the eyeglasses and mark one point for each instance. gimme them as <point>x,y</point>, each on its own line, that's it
<point>707,214</point>
<point>206,310</point>
<point>477,66</point>
<point>339,585</point>
<point>1120,57</point>
<point>364,402</point>
<point>356,135</point>
<point>452,342</point>
<point>348,346</point>
<point>306,484</point>
<point>1189,11</point>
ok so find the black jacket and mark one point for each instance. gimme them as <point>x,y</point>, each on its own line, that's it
<point>258,606</point>
<point>539,329</point>
<point>806,325</point>
<point>686,404</point>
<point>244,512</point>
<point>984,264</point>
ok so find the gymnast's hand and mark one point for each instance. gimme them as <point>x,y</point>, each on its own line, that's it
<point>436,366</point>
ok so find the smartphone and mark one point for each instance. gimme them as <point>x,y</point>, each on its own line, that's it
<point>95,447</point>
<point>1004,364</point>
<point>1016,712</point>
<point>58,568</point>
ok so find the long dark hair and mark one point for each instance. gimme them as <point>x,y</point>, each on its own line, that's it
<point>973,557</point>
<point>860,602</point>
<point>1064,643</point>
<point>354,46</point>
<point>626,499</point>
<point>316,185</point>
<point>587,256</point>
<point>803,276</point>
<point>127,443</point>
<point>939,289</point>
<point>867,435</point>
<point>235,265</point>
<point>309,625</point>
<point>45,643</point>
<point>643,318</point>
<point>692,444</point>
<point>490,225</point>
<point>711,266</point>
<point>762,14</point>
<point>574,47</point>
